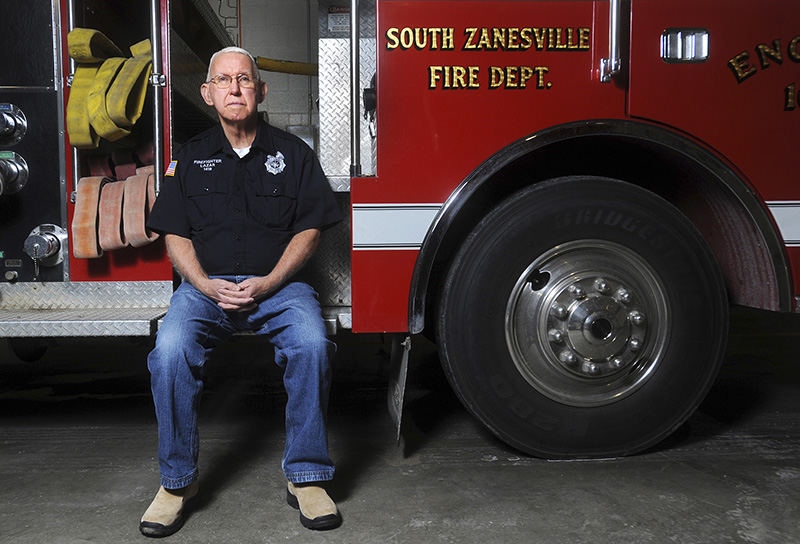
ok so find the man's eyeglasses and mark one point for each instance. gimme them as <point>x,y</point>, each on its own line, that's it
<point>223,81</point>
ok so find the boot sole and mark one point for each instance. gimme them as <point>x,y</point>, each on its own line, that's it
<point>322,523</point>
<point>156,530</point>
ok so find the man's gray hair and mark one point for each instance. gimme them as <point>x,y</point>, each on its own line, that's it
<point>234,49</point>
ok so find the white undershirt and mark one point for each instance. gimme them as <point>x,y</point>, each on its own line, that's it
<point>242,151</point>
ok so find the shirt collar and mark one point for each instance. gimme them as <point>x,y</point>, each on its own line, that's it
<point>263,140</point>
<point>218,143</point>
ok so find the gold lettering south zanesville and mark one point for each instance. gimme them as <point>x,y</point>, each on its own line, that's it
<point>420,38</point>
<point>539,38</point>
<point>491,39</point>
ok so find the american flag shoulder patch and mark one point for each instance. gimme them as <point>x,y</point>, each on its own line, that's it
<point>171,168</point>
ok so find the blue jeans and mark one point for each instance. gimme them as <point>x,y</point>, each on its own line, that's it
<point>193,326</point>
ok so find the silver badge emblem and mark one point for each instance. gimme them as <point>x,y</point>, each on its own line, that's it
<point>275,164</point>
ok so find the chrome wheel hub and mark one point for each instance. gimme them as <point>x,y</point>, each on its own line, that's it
<point>587,322</point>
<point>592,331</point>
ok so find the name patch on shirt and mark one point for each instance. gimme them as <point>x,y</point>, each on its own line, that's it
<point>208,164</point>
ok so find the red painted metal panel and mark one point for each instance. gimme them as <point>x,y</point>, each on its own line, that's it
<point>742,101</point>
<point>744,121</point>
<point>431,135</point>
<point>437,136</point>
<point>381,281</point>
<point>149,263</point>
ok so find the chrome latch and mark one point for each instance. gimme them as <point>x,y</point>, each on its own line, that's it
<point>684,45</point>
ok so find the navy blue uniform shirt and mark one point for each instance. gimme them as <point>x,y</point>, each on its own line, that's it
<point>241,213</point>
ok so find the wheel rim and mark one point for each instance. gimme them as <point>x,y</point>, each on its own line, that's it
<point>587,323</point>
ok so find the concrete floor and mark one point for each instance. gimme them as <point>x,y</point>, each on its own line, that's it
<point>78,442</point>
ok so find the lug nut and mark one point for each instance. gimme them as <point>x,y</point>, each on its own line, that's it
<point>602,286</point>
<point>576,291</point>
<point>616,362</point>
<point>567,357</point>
<point>556,335</point>
<point>624,296</point>
<point>637,318</point>
<point>559,311</point>
<point>635,344</point>
<point>590,368</point>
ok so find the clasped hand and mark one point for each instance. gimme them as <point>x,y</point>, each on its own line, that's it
<point>238,297</point>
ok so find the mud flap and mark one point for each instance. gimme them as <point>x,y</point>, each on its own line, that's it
<point>398,372</point>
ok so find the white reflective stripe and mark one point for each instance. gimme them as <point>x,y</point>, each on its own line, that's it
<point>392,226</point>
<point>787,215</point>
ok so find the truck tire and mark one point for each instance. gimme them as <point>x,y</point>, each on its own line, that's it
<point>583,317</point>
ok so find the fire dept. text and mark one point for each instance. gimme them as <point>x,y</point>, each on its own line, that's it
<point>467,77</point>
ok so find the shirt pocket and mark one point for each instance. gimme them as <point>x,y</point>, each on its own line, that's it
<point>206,203</point>
<point>275,204</point>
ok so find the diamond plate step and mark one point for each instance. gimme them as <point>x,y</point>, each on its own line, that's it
<point>56,309</point>
<point>76,323</point>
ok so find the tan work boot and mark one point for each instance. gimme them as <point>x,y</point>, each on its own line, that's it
<point>165,515</point>
<point>317,510</point>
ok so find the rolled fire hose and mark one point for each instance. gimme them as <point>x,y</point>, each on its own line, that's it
<point>121,156</point>
<point>105,101</point>
<point>97,107</point>
<point>109,97</point>
<point>146,153</point>
<point>142,49</point>
<point>125,99</point>
<point>90,46</point>
<point>81,134</point>
<point>99,166</point>
<point>85,243</point>
<point>124,164</point>
<point>124,171</point>
<point>111,215</point>
<point>110,230</point>
<point>140,194</point>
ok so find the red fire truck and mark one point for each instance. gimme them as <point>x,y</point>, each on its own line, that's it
<point>565,195</point>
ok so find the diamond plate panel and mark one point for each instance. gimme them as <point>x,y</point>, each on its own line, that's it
<point>77,309</point>
<point>72,323</point>
<point>340,184</point>
<point>328,271</point>
<point>337,319</point>
<point>334,107</point>
<point>345,320</point>
<point>89,295</point>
